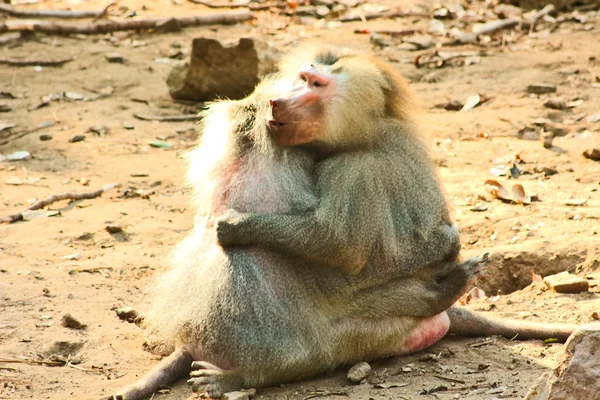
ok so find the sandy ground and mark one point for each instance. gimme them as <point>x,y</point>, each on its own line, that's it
<point>41,279</point>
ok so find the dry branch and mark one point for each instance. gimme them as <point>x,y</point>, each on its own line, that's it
<point>231,17</point>
<point>168,118</point>
<point>68,14</point>
<point>407,32</point>
<point>500,25</point>
<point>25,62</point>
<point>385,14</point>
<point>58,197</point>
<point>57,363</point>
<point>252,6</point>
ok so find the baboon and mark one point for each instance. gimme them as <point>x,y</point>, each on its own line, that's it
<point>325,237</point>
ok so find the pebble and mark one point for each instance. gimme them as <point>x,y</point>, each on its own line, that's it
<point>592,154</point>
<point>541,88</point>
<point>70,321</point>
<point>44,138</point>
<point>557,103</point>
<point>114,58</point>
<point>236,396</point>
<point>359,372</point>
<point>77,138</point>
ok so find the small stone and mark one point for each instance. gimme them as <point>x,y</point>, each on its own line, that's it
<point>547,138</point>
<point>541,88</point>
<point>236,396</point>
<point>565,282</point>
<point>98,129</point>
<point>168,26</point>
<point>322,11</point>
<point>114,58</point>
<point>359,372</point>
<point>592,154</point>
<point>379,40</point>
<point>507,11</point>
<point>557,103</point>
<point>114,228</point>
<point>44,138</point>
<point>77,138</point>
<point>128,126</point>
<point>70,321</point>
<point>407,46</point>
<point>421,41</point>
<point>4,107</point>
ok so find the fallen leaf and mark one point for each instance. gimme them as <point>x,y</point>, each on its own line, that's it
<point>472,102</point>
<point>535,277</point>
<point>592,154</point>
<point>575,202</point>
<point>515,172</point>
<point>160,144</point>
<point>519,195</point>
<point>497,190</point>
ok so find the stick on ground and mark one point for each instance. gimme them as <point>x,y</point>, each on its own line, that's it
<point>16,62</point>
<point>67,14</point>
<point>231,17</point>
<point>58,197</point>
<point>168,118</point>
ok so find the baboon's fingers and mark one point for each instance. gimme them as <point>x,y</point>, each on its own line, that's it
<point>205,365</point>
<point>205,372</point>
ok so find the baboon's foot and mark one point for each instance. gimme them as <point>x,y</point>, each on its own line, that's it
<point>212,380</point>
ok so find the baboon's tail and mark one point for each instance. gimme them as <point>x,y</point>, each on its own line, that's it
<point>464,322</point>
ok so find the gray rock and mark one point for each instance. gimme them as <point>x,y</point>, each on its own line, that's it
<point>359,372</point>
<point>578,375</point>
<point>421,41</point>
<point>77,138</point>
<point>541,88</point>
<point>219,70</point>
<point>557,103</point>
<point>236,396</point>
<point>114,58</point>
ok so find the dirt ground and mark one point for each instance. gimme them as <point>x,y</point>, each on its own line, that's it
<point>69,263</point>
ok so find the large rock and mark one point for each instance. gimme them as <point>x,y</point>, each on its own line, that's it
<point>219,70</point>
<point>578,375</point>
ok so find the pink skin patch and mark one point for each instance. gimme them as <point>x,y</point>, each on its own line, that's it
<point>428,332</point>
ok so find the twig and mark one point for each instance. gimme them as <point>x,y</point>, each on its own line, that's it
<point>67,14</point>
<point>25,62</point>
<point>385,14</point>
<point>252,6</point>
<point>231,17</point>
<point>90,270</point>
<point>496,26</point>
<point>445,378</point>
<point>170,118</point>
<point>32,362</point>
<point>407,32</point>
<point>58,197</point>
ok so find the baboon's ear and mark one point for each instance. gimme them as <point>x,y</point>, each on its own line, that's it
<point>398,97</point>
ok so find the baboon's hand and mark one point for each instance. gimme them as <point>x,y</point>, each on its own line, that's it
<point>227,229</point>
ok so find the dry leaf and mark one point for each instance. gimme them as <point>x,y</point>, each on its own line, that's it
<point>472,102</point>
<point>519,195</point>
<point>575,202</point>
<point>497,190</point>
<point>535,277</point>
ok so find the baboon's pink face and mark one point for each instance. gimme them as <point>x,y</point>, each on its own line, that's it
<point>297,116</point>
